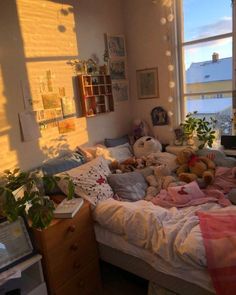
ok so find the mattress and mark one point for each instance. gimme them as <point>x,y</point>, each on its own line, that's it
<point>198,276</point>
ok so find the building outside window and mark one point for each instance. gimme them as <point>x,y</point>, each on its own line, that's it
<point>205,34</point>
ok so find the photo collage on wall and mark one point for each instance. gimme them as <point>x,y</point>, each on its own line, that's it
<point>58,110</point>
<point>116,51</point>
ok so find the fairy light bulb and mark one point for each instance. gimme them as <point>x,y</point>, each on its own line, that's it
<point>170,113</point>
<point>171,68</point>
<point>171,84</point>
<point>163,20</point>
<point>168,53</point>
<point>170,17</point>
<point>170,99</point>
<point>171,129</point>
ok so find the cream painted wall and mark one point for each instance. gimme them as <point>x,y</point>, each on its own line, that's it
<point>146,49</point>
<point>36,37</point>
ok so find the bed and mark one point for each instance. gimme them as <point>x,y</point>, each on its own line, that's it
<point>139,252</point>
<point>129,235</point>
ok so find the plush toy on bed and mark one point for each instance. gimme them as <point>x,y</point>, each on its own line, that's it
<point>145,146</point>
<point>193,167</point>
<point>160,179</point>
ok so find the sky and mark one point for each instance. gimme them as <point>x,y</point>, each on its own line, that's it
<point>204,18</point>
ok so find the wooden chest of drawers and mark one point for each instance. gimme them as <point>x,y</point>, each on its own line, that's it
<point>70,257</point>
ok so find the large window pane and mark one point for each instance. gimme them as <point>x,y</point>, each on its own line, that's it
<point>205,18</point>
<point>218,107</point>
<point>208,66</point>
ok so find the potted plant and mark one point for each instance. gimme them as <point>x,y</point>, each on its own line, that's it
<point>22,194</point>
<point>200,129</point>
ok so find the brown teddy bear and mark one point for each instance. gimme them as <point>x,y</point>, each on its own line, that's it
<point>193,167</point>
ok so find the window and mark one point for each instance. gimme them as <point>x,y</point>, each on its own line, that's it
<point>206,50</point>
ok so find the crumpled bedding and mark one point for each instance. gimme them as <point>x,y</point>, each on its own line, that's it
<point>173,234</point>
<point>164,199</point>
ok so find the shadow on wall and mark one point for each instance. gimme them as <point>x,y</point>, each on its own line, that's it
<point>26,53</point>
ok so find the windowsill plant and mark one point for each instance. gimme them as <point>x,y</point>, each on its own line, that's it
<point>22,194</point>
<point>198,130</point>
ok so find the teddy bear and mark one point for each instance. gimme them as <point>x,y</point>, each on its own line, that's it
<point>193,167</point>
<point>160,179</point>
<point>145,146</point>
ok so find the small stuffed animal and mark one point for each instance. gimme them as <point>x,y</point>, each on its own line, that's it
<point>193,167</point>
<point>161,179</point>
<point>140,128</point>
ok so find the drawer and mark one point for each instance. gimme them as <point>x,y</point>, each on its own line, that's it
<point>67,229</point>
<point>71,258</point>
<point>87,282</point>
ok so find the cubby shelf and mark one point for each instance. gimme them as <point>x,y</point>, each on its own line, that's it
<point>95,94</point>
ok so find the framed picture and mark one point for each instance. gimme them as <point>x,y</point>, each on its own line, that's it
<point>15,243</point>
<point>120,90</point>
<point>117,69</point>
<point>147,83</point>
<point>159,117</point>
<point>115,46</point>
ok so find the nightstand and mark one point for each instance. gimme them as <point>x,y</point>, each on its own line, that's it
<point>70,255</point>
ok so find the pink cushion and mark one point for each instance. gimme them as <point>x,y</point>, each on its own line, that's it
<point>188,192</point>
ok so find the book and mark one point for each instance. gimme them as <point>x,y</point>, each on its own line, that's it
<point>68,208</point>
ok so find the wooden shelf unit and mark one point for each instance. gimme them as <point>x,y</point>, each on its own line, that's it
<point>96,94</point>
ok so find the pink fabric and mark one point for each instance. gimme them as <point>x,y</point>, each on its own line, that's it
<point>225,179</point>
<point>188,192</point>
<point>219,235</point>
<point>165,199</point>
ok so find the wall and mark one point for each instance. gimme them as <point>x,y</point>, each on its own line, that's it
<point>41,35</point>
<point>146,49</point>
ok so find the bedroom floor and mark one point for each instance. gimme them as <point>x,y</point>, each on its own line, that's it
<point>119,282</point>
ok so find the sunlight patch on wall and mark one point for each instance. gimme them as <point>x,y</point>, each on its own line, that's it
<point>53,144</point>
<point>8,158</point>
<point>4,126</point>
<point>48,28</point>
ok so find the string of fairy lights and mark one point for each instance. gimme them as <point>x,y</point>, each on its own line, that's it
<point>166,20</point>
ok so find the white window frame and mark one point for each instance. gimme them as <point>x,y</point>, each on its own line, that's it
<point>181,44</point>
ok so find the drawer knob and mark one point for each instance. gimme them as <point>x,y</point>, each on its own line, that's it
<point>77,265</point>
<point>74,247</point>
<point>71,228</point>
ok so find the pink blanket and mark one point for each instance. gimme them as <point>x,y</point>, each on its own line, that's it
<point>225,179</point>
<point>164,199</point>
<point>219,235</point>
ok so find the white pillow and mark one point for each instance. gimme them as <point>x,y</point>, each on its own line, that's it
<point>90,180</point>
<point>121,152</point>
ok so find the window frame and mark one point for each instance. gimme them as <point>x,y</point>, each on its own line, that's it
<point>180,54</point>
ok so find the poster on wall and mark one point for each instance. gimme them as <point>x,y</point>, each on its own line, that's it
<point>51,101</point>
<point>117,69</point>
<point>120,90</point>
<point>115,45</point>
<point>147,83</point>
<point>67,125</point>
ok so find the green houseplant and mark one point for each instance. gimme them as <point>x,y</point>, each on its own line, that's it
<point>22,194</point>
<point>199,128</point>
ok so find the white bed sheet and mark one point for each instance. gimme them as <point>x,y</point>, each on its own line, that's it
<point>197,276</point>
